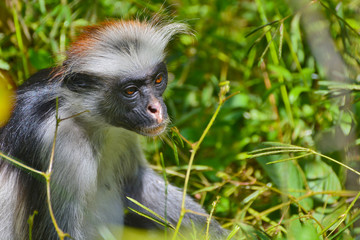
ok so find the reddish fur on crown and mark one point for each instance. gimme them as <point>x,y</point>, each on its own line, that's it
<point>118,47</point>
<point>89,36</point>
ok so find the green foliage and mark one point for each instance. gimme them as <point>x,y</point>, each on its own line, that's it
<point>288,93</point>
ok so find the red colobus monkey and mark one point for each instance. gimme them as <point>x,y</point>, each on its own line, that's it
<point>116,73</point>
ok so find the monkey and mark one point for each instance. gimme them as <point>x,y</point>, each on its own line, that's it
<point>111,83</point>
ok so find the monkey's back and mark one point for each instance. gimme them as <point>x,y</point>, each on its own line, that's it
<point>21,192</point>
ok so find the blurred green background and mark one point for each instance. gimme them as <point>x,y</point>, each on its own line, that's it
<point>295,69</point>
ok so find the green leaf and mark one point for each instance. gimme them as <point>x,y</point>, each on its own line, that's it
<point>346,122</point>
<point>304,230</point>
<point>239,101</point>
<point>295,92</point>
<point>164,222</point>
<point>40,59</point>
<point>261,27</point>
<point>4,65</point>
<point>176,154</point>
<point>250,233</point>
<point>233,232</point>
<point>329,216</point>
<point>286,176</point>
<point>148,217</point>
<point>206,95</point>
<point>279,70</point>
<point>321,177</point>
<point>207,189</point>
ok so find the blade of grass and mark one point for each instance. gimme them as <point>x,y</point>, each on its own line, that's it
<point>261,27</point>
<point>275,148</point>
<point>149,217</point>
<point>20,42</point>
<point>166,189</point>
<point>342,217</point>
<point>150,211</point>
<point>233,232</point>
<point>289,159</point>
<point>275,153</point>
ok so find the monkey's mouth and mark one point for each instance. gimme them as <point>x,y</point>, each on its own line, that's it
<point>153,131</point>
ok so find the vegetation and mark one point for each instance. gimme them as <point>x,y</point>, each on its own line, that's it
<point>281,78</point>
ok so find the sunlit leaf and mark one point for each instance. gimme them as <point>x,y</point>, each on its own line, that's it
<point>346,122</point>
<point>329,216</point>
<point>4,65</point>
<point>295,92</point>
<point>40,59</point>
<point>321,177</point>
<point>286,176</point>
<point>302,230</point>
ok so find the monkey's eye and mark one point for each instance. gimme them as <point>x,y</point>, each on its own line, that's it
<point>159,79</point>
<point>130,91</point>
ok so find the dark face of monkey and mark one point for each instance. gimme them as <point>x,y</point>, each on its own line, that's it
<point>133,102</point>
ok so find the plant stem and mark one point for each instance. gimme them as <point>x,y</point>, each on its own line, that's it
<point>60,233</point>
<point>195,148</point>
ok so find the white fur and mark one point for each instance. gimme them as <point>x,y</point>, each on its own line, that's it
<point>104,56</point>
<point>8,188</point>
<point>89,165</point>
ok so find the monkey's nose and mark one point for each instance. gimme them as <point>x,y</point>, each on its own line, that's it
<point>155,111</point>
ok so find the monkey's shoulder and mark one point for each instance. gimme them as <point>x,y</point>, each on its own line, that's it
<point>41,78</point>
<point>35,103</point>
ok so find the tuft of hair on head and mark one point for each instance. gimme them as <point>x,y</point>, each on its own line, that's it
<point>118,48</point>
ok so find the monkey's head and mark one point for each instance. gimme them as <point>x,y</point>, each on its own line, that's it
<point>116,71</point>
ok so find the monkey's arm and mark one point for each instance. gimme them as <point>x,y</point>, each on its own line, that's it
<point>149,189</point>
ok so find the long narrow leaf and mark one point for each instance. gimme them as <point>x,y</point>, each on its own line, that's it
<point>276,152</point>
<point>233,232</point>
<point>291,158</point>
<point>150,211</point>
<point>151,218</point>
<point>275,148</point>
<point>261,27</point>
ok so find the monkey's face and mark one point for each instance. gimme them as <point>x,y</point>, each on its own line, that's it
<point>136,102</point>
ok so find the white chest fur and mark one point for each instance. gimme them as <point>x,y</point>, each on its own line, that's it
<point>119,156</point>
<point>89,170</point>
